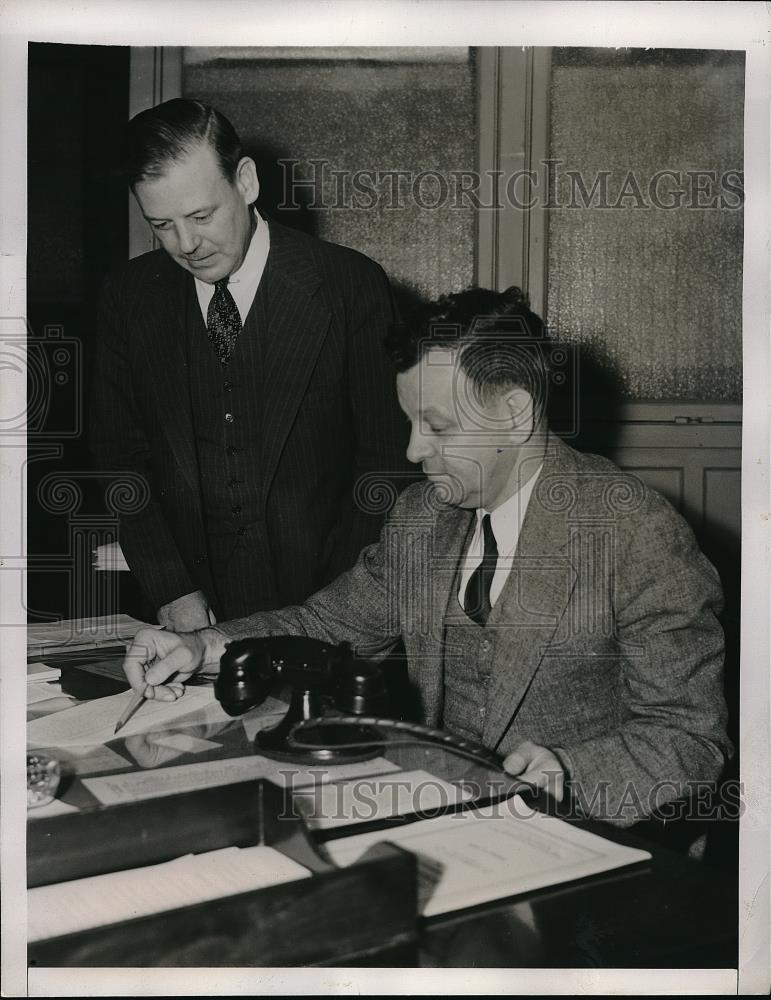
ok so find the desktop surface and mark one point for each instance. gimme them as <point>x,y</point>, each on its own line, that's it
<point>669,912</point>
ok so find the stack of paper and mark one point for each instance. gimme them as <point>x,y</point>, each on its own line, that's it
<point>54,910</point>
<point>50,638</point>
<point>42,682</point>
<point>42,672</point>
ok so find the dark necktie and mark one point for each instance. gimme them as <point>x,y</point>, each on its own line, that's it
<point>223,322</point>
<point>476,602</point>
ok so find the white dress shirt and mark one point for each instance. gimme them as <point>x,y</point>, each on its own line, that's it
<point>506,522</point>
<point>244,282</point>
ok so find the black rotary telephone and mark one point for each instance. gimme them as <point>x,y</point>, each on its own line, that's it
<point>338,704</point>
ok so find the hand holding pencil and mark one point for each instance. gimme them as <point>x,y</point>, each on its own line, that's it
<point>158,663</point>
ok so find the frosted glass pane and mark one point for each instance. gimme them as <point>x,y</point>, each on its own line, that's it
<point>374,110</point>
<point>653,295</point>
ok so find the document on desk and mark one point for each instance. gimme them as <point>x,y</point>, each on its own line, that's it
<point>484,854</point>
<point>364,799</point>
<point>153,784</point>
<point>38,672</point>
<point>93,722</point>
<point>82,633</point>
<point>42,691</point>
<point>68,907</point>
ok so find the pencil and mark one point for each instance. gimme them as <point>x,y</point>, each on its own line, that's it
<point>132,706</point>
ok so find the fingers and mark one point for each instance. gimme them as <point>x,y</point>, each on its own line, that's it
<point>537,766</point>
<point>178,660</point>
<point>521,758</point>
<point>141,651</point>
<point>155,657</point>
<point>549,777</point>
<point>164,692</point>
<point>515,763</point>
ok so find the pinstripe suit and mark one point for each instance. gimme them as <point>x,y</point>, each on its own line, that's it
<point>329,416</point>
<point>604,644</point>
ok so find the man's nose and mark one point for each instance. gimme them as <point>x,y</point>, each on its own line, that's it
<point>188,239</point>
<point>419,447</point>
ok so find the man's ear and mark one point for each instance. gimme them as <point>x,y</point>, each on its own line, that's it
<point>247,181</point>
<point>519,403</point>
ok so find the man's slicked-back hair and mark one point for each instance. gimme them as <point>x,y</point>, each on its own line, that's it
<point>160,136</point>
<point>500,341</point>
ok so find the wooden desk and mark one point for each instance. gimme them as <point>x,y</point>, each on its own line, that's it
<point>670,913</point>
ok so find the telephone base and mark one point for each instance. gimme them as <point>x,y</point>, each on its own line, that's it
<point>327,744</point>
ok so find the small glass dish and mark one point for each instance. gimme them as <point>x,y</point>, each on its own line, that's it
<point>43,774</point>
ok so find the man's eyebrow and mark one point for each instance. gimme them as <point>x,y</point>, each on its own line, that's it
<point>204,210</point>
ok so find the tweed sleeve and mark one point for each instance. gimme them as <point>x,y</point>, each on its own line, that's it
<point>672,728</point>
<point>361,606</point>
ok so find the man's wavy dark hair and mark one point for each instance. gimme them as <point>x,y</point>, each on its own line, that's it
<point>168,132</point>
<point>499,339</point>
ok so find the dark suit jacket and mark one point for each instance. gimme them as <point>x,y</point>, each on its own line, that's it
<point>606,649</point>
<point>330,417</point>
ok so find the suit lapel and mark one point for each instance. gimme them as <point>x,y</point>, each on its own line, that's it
<point>165,334</point>
<point>425,647</point>
<point>299,319</point>
<point>533,600</point>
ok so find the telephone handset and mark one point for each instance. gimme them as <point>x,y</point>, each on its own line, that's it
<point>324,678</point>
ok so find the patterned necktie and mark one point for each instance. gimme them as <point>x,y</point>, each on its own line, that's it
<point>223,322</point>
<point>476,602</point>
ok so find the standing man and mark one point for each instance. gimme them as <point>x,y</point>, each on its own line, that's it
<point>240,370</point>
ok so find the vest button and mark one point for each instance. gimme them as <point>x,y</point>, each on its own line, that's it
<point>232,483</point>
<point>241,531</point>
<point>231,450</point>
<point>229,418</point>
<point>236,509</point>
<point>227,386</point>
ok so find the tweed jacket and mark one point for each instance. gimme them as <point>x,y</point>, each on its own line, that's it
<point>607,648</point>
<point>330,417</point>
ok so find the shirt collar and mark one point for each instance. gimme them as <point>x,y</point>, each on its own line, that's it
<point>506,520</point>
<point>254,261</point>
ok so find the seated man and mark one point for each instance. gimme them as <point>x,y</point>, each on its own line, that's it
<point>551,606</point>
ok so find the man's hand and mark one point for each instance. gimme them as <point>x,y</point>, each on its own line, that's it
<point>538,766</point>
<point>187,613</point>
<point>157,663</point>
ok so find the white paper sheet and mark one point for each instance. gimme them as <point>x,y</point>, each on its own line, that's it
<point>255,723</point>
<point>42,672</point>
<point>184,743</point>
<point>206,774</point>
<point>377,797</point>
<point>293,776</point>
<point>42,691</point>
<point>93,722</point>
<point>484,854</point>
<point>67,907</point>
